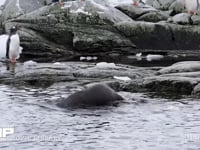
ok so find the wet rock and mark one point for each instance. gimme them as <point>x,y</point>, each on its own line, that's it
<point>180,78</point>
<point>175,84</point>
<point>185,66</point>
<point>95,95</point>
<point>46,74</point>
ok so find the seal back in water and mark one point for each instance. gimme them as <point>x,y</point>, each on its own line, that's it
<point>95,95</point>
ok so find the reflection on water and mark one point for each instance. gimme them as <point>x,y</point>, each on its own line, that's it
<point>158,124</point>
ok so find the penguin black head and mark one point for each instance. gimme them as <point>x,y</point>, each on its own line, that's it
<point>13,30</point>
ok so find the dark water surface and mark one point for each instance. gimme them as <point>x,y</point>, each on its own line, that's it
<point>157,124</point>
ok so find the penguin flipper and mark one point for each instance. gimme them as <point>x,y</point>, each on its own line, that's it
<point>20,49</point>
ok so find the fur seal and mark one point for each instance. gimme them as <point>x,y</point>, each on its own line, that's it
<point>95,95</point>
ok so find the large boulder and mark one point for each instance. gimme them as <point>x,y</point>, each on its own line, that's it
<point>179,84</point>
<point>79,26</point>
<point>161,4</point>
<point>161,35</point>
<point>180,78</point>
<point>182,18</point>
<point>185,66</point>
<point>143,12</point>
<point>96,27</point>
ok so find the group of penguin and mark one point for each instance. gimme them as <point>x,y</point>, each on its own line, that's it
<point>10,44</point>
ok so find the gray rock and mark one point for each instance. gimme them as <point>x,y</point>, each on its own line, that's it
<point>156,5</point>
<point>175,84</point>
<point>185,66</point>
<point>154,36</point>
<point>153,17</point>
<point>177,7</point>
<point>161,4</point>
<point>195,20</point>
<point>196,90</point>
<point>46,74</point>
<point>180,78</point>
<point>15,8</point>
<point>73,27</point>
<point>183,18</point>
<point>81,28</point>
<point>135,12</point>
<point>162,35</point>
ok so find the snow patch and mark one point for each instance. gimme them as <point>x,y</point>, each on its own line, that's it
<point>151,57</point>
<point>30,63</point>
<point>105,65</point>
<point>122,78</point>
<point>58,64</point>
<point>88,58</point>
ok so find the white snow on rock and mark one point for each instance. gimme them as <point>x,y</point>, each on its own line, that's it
<point>88,58</point>
<point>58,64</point>
<point>30,63</point>
<point>122,78</point>
<point>185,66</point>
<point>152,57</point>
<point>114,3</point>
<point>105,65</point>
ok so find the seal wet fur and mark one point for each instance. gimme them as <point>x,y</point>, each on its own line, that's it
<point>95,95</point>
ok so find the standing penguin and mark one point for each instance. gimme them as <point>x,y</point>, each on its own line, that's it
<point>191,6</point>
<point>13,48</point>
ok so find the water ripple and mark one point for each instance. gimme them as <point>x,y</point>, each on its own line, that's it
<point>156,124</point>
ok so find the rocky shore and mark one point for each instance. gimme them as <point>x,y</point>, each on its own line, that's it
<point>54,32</point>
<point>97,27</point>
<point>180,79</point>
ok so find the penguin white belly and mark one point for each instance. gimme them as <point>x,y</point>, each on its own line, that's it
<point>3,40</point>
<point>14,47</point>
<point>191,5</point>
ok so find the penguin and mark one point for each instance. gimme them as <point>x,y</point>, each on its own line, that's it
<point>191,6</point>
<point>13,48</point>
